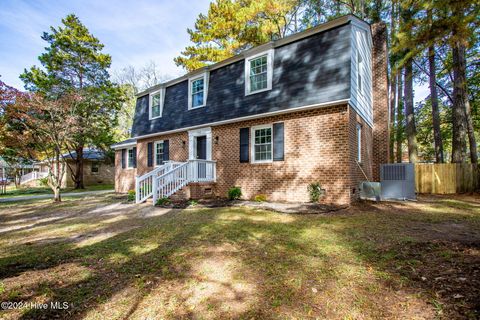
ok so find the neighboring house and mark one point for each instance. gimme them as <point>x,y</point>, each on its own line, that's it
<point>16,168</point>
<point>311,107</point>
<point>97,168</point>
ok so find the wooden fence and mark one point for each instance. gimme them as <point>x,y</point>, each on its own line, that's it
<point>445,178</point>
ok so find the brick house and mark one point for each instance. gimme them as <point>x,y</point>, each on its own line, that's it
<point>311,107</point>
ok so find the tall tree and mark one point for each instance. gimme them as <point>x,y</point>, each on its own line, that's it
<point>232,26</point>
<point>73,63</point>
<point>437,135</point>
<point>399,124</point>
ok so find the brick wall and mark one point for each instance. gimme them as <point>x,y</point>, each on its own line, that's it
<point>124,178</point>
<point>381,115</point>
<point>178,151</point>
<point>316,149</point>
<point>320,145</point>
<point>366,149</point>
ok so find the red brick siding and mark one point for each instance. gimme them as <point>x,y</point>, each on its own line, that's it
<point>381,115</point>
<point>124,178</point>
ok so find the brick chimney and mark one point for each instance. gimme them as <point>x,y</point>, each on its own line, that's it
<point>381,114</point>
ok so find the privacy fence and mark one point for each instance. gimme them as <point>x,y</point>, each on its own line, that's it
<point>446,178</point>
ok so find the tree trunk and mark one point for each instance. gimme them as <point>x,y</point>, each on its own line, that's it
<point>437,134</point>
<point>79,168</point>
<point>56,194</point>
<point>410,114</point>
<point>399,129</point>
<point>459,122</point>
<point>471,132</point>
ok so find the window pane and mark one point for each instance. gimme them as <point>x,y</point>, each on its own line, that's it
<point>156,106</point>
<point>258,73</point>
<point>263,144</point>
<point>197,99</point>
<point>130,158</point>
<point>159,153</point>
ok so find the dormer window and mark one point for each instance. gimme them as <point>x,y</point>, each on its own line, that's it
<point>198,88</point>
<point>156,104</point>
<point>258,72</point>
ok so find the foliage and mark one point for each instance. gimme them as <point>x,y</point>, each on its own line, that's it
<point>163,201</point>
<point>131,195</point>
<point>74,65</point>
<point>260,198</point>
<point>192,203</point>
<point>315,191</point>
<point>234,193</point>
<point>43,182</point>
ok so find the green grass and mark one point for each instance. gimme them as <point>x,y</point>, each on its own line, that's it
<point>22,192</point>
<point>114,260</point>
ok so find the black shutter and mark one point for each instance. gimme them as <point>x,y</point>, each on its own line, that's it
<point>244,139</point>
<point>150,154</point>
<point>278,142</point>
<point>166,150</point>
<point>124,155</point>
<point>134,157</point>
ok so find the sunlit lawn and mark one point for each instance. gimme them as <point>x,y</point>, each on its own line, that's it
<point>22,191</point>
<point>112,260</point>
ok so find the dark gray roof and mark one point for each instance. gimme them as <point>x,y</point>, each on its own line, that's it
<point>128,141</point>
<point>88,154</point>
<point>310,71</point>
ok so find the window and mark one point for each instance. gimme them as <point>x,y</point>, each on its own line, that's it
<point>359,72</point>
<point>156,104</point>
<point>159,153</point>
<point>359,142</point>
<point>262,143</point>
<point>258,72</point>
<point>198,88</point>
<point>94,167</point>
<point>130,158</point>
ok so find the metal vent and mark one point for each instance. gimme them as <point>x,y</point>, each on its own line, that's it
<point>398,181</point>
<point>394,172</point>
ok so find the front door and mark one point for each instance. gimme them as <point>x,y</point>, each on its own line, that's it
<point>201,147</point>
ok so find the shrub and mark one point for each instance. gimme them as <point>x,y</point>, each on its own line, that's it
<point>162,201</point>
<point>260,198</point>
<point>43,182</point>
<point>131,195</point>
<point>192,203</point>
<point>315,191</point>
<point>234,193</point>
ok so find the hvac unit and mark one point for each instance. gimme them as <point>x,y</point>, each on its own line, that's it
<point>398,181</point>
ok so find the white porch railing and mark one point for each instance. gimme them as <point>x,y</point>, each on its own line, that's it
<point>34,175</point>
<point>144,184</point>
<point>179,176</point>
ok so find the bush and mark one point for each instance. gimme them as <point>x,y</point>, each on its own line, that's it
<point>162,201</point>
<point>43,182</point>
<point>192,203</point>
<point>315,191</point>
<point>234,193</point>
<point>260,198</point>
<point>131,195</point>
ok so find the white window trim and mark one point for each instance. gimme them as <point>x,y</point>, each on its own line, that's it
<point>252,142</point>
<point>150,105</point>
<point>205,77</point>
<point>192,144</point>
<point>359,142</point>
<point>128,159</point>
<point>155,152</point>
<point>270,54</point>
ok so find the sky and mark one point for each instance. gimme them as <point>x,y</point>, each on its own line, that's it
<point>134,32</point>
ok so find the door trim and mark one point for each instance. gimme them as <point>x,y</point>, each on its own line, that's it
<point>192,142</point>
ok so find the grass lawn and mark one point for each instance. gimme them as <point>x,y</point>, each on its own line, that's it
<point>112,260</point>
<point>21,192</point>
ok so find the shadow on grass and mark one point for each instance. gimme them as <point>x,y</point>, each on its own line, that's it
<point>369,264</point>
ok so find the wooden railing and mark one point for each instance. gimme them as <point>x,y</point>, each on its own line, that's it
<point>192,171</point>
<point>144,183</point>
<point>34,175</point>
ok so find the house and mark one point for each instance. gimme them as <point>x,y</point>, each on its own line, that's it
<point>311,107</point>
<point>97,168</point>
